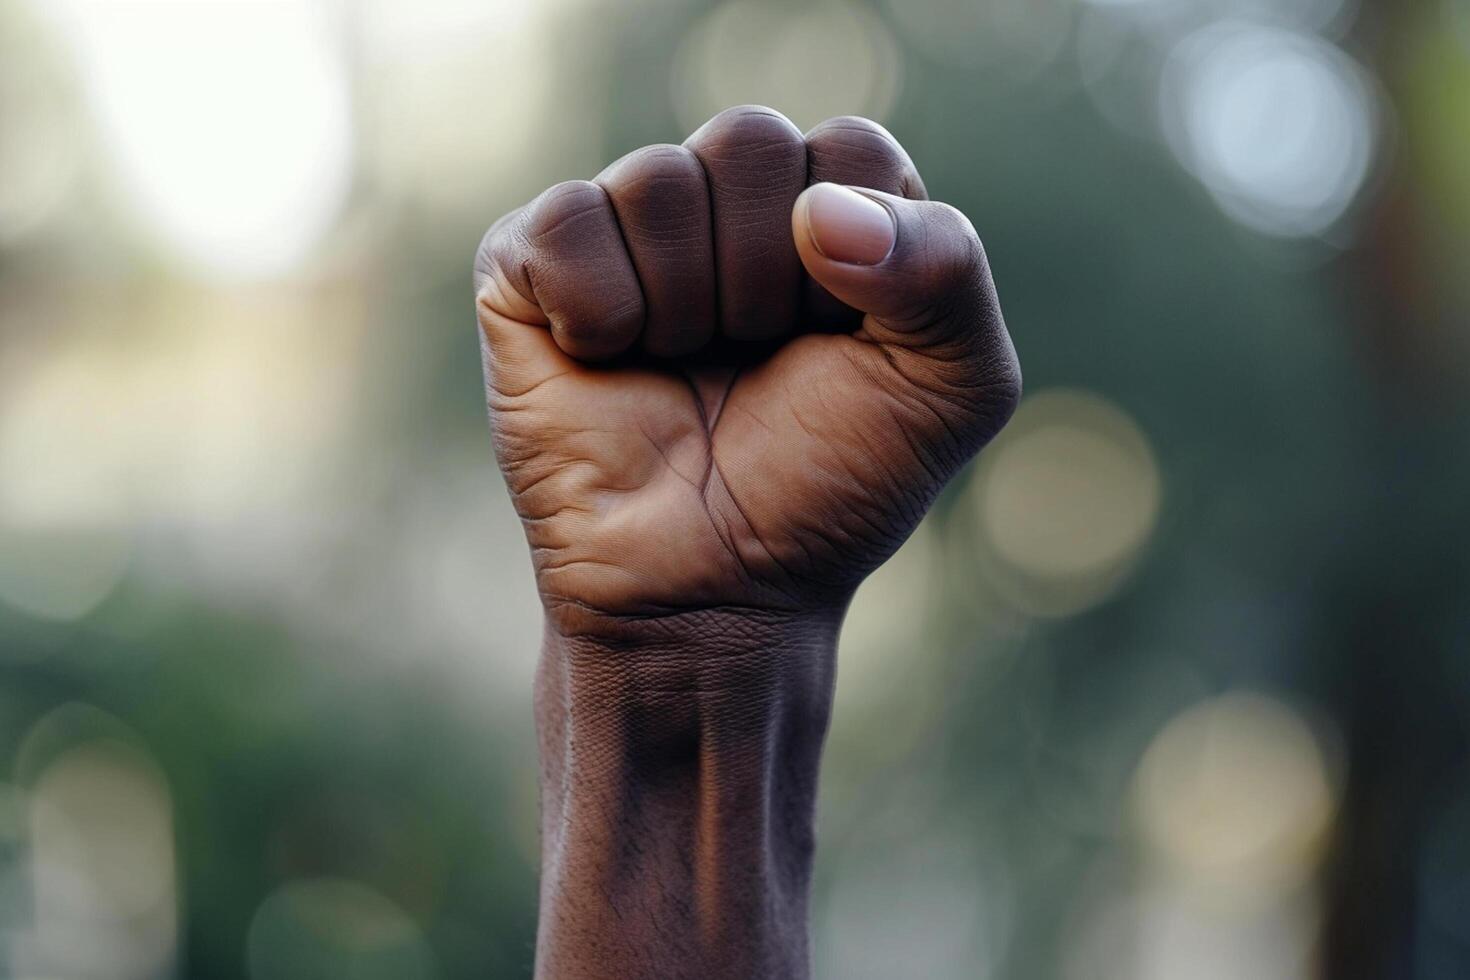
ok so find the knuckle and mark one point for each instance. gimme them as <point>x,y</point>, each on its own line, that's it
<point>499,271</point>
<point>493,242</point>
<point>566,208</point>
<point>600,329</point>
<point>850,122</point>
<point>854,150</point>
<point>623,314</point>
<point>659,160</point>
<point>655,178</point>
<point>579,330</point>
<point>749,131</point>
<point>854,135</point>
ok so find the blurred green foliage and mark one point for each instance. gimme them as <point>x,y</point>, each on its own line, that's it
<point>321,627</point>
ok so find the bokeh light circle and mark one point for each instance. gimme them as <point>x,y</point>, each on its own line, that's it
<point>811,63</point>
<point>104,808</point>
<point>65,539</point>
<point>1314,15</point>
<point>1017,39</point>
<point>435,65</point>
<point>1279,126</point>
<point>101,865</point>
<point>230,123</point>
<point>335,927</point>
<point>1064,500</point>
<point>1236,790</point>
<point>41,153</point>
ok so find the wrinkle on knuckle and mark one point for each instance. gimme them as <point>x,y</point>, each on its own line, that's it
<point>563,207</point>
<point>857,151</point>
<point>850,123</point>
<point>741,120</point>
<point>758,138</point>
<point>498,246</point>
<point>652,155</point>
<point>604,328</point>
<point>864,144</point>
<point>655,175</point>
<point>657,191</point>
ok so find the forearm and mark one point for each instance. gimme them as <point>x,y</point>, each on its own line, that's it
<point>732,371</point>
<point>679,760</point>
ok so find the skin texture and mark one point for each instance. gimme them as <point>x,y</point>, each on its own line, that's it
<point>720,396</point>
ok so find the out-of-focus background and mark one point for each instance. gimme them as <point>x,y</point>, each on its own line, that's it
<point>1173,685</point>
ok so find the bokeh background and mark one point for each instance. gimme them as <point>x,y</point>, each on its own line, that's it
<point>1173,684</point>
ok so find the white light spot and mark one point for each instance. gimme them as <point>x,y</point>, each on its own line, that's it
<point>1278,126</point>
<point>229,121</point>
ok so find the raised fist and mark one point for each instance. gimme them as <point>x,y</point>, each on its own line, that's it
<point>736,372</point>
<point>726,379</point>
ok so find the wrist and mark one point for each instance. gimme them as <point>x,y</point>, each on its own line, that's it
<point>679,761</point>
<point>686,699</point>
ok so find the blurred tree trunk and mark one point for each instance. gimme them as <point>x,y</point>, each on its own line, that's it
<point>1396,606</point>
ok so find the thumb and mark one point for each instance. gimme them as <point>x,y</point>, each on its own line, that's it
<point>915,268</point>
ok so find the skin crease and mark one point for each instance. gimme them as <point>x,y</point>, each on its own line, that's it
<point>712,432</point>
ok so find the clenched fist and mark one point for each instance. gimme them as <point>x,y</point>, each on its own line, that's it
<point>737,371</point>
<point>725,379</point>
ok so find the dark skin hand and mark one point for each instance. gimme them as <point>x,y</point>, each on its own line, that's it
<point>726,380</point>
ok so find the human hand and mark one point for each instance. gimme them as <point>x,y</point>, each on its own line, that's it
<point>723,386</point>
<point>686,417</point>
